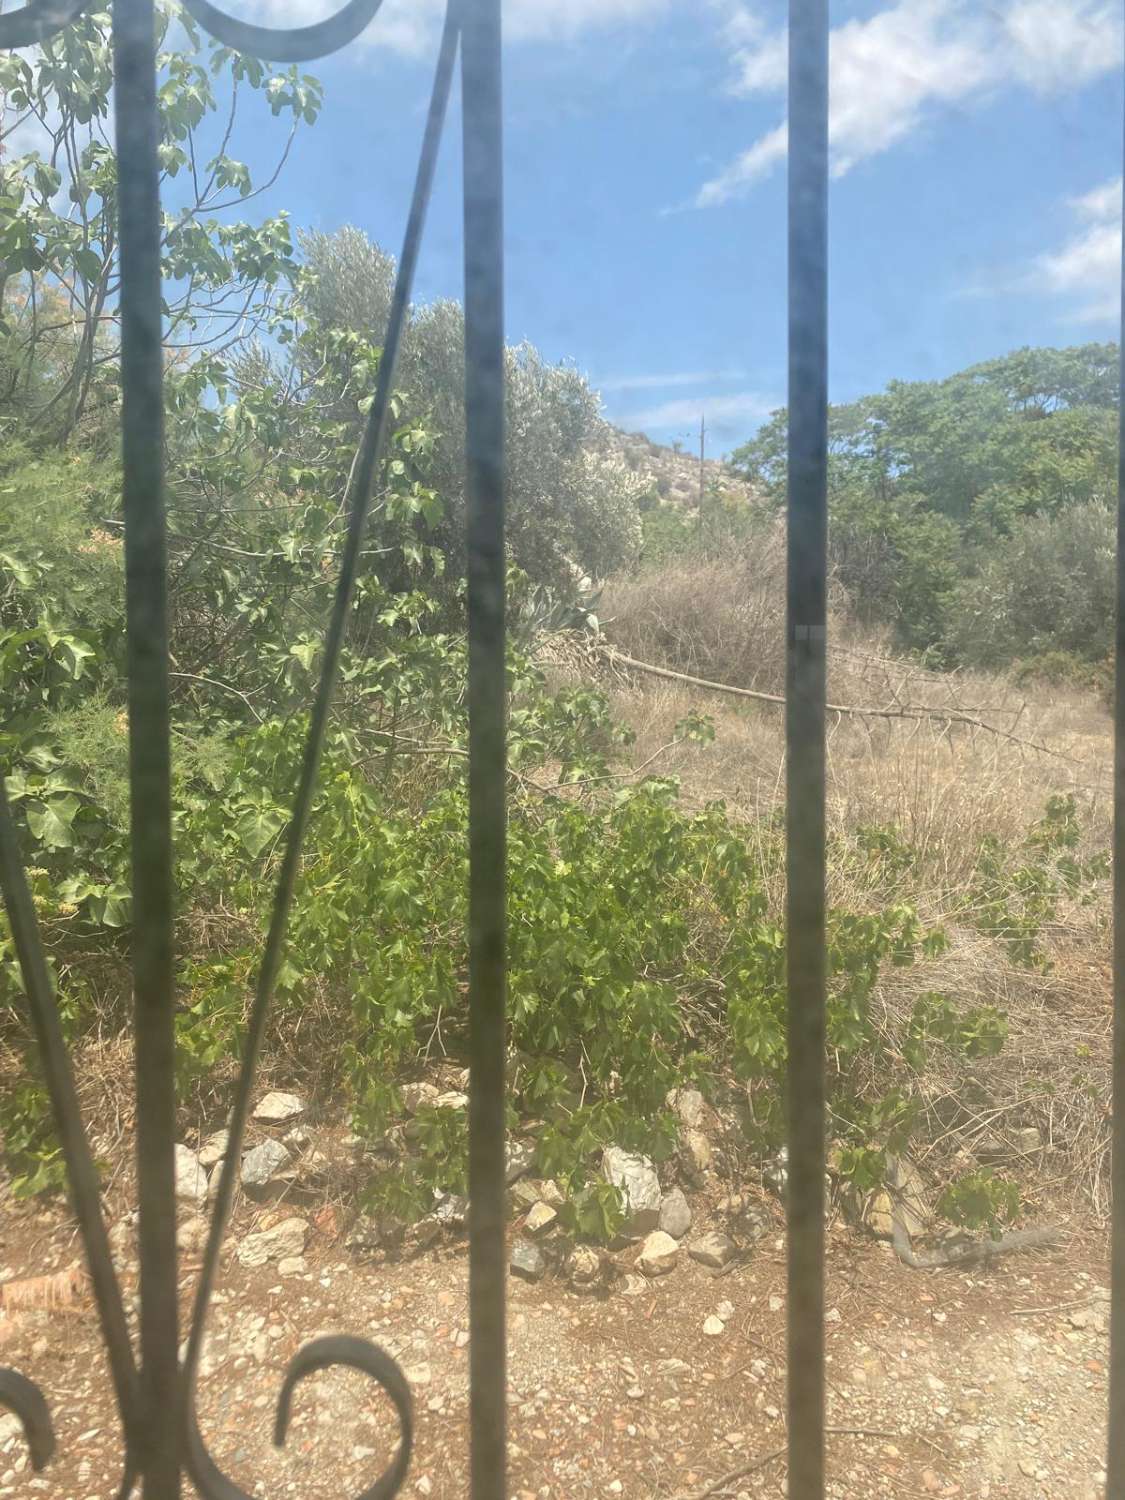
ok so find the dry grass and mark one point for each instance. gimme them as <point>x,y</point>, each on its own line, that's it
<point>943,787</point>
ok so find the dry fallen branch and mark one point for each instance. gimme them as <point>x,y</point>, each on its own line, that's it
<point>906,711</point>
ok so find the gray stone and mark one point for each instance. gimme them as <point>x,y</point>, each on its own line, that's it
<point>276,1108</point>
<point>675,1214</point>
<point>191,1179</point>
<point>713,1250</point>
<point>519,1157</point>
<point>1028,1140</point>
<point>635,1177</point>
<point>452,1101</point>
<point>262,1166</point>
<point>292,1265</point>
<point>659,1254</point>
<point>528,1261</point>
<point>285,1241</point>
<point>526,1194</point>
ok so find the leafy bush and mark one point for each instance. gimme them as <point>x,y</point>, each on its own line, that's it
<point>980,1200</point>
<point>1047,588</point>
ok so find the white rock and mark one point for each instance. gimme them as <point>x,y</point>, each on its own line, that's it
<point>540,1217</point>
<point>689,1106</point>
<point>214,1148</point>
<point>635,1177</point>
<point>659,1254</point>
<point>276,1108</point>
<point>416,1096</point>
<point>713,1326</point>
<point>191,1179</point>
<point>285,1241</point>
<point>191,1235</point>
<point>699,1150</point>
<point>292,1265</point>
<point>452,1100</point>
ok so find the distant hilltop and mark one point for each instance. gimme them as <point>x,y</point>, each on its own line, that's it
<point>675,472</point>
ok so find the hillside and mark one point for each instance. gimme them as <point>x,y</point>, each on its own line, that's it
<point>675,473</point>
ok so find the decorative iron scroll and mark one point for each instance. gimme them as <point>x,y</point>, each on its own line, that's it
<point>156,1399</point>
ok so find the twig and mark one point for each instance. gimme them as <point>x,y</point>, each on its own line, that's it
<point>743,1470</point>
<point>1058,1306</point>
<point>735,1474</point>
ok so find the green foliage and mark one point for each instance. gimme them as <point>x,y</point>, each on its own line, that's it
<point>980,1031</point>
<point>34,1156</point>
<point>1044,591</point>
<point>58,218</point>
<point>972,513</point>
<point>1015,894</point>
<point>980,1200</point>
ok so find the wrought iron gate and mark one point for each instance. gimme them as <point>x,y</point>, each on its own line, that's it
<point>155,1394</point>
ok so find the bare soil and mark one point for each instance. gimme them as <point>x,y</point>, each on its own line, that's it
<point>985,1383</point>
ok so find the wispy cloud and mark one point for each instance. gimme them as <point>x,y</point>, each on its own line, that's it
<point>730,417</point>
<point>1086,269</point>
<point>666,381</point>
<point>892,73</point>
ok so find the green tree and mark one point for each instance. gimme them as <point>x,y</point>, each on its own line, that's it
<point>59,269</point>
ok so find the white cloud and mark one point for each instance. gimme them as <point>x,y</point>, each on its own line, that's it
<point>892,72</point>
<point>411,26</point>
<point>665,382</point>
<point>1086,269</point>
<point>727,417</point>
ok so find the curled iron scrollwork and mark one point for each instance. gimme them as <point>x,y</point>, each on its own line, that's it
<point>37,22</point>
<point>329,1352</point>
<point>24,1397</point>
<point>290,44</point>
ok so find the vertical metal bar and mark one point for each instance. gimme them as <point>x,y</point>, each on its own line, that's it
<point>1115,1456</point>
<point>805,736</point>
<point>484,450</point>
<point>134,66</point>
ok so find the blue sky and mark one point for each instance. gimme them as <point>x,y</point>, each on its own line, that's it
<point>975,203</point>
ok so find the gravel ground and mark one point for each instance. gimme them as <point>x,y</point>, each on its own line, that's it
<point>990,1384</point>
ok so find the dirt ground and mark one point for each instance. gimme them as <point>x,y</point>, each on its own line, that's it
<point>986,1383</point>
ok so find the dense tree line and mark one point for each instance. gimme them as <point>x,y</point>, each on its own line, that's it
<point>975,514</point>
